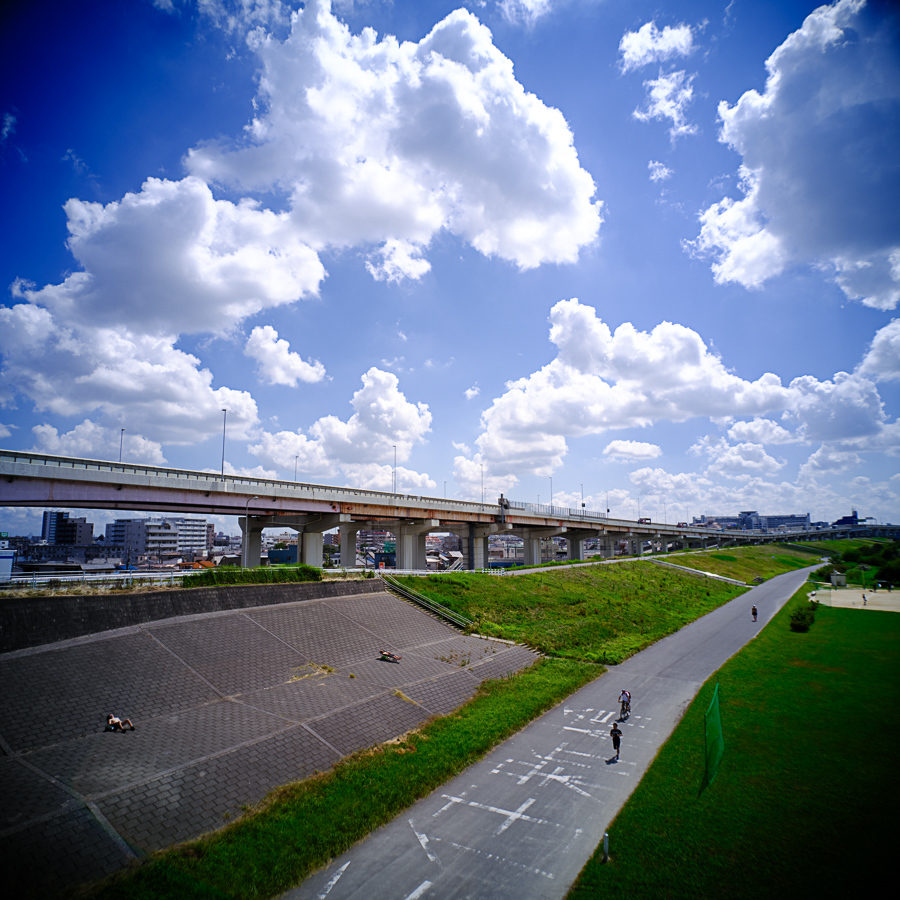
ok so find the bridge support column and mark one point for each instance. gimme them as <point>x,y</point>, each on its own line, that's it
<point>309,542</point>
<point>531,537</point>
<point>349,534</point>
<point>575,543</point>
<point>251,541</point>
<point>477,556</point>
<point>411,544</point>
<point>348,543</point>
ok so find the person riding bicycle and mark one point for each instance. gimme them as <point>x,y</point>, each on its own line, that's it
<point>625,701</point>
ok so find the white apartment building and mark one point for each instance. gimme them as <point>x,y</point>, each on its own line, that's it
<point>158,536</point>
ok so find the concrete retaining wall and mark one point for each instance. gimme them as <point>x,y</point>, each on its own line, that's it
<point>30,622</point>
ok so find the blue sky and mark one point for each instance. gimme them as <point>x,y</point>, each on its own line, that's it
<point>643,251</point>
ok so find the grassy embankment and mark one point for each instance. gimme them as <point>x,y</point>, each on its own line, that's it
<point>578,617</point>
<point>637,603</point>
<point>803,802</point>
<point>746,563</point>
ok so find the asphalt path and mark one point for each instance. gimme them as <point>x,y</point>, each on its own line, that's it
<point>521,823</point>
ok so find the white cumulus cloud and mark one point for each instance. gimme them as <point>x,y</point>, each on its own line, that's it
<point>882,360</point>
<point>650,45</point>
<point>276,362</point>
<point>658,171</point>
<point>68,368</point>
<point>171,258</point>
<point>736,460</point>
<point>628,451</point>
<point>819,168</point>
<point>760,431</point>
<point>380,142</point>
<point>91,441</point>
<point>668,97</point>
<point>603,380</point>
<point>528,11</point>
<point>848,406</point>
<point>363,445</point>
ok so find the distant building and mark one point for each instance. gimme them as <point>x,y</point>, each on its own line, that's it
<point>852,519</point>
<point>58,528</point>
<point>170,536</point>
<point>751,520</point>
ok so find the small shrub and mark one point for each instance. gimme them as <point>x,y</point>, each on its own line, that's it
<point>804,616</point>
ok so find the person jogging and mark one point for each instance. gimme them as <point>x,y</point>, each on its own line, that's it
<point>753,612</point>
<point>616,734</point>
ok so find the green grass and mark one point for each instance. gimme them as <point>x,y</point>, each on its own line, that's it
<point>226,575</point>
<point>601,613</point>
<point>300,827</point>
<point>746,563</point>
<point>803,802</point>
<point>586,614</point>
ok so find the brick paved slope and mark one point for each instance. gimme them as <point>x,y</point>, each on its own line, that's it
<point>227,705</point>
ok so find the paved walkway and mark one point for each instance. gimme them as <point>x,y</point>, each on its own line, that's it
<point>227,706</point>
<point>521,824</point>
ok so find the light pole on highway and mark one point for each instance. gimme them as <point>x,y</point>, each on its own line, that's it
<point>121,441</point>
<point>394,476</point>
<point>247,531</point>
<point>551,495</point>
<point>296,460</point>
<point>224,420</point>
<point>482,482</point>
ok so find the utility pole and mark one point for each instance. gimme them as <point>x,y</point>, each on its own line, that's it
<point>224,420</point>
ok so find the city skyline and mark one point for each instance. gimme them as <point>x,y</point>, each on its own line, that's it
<point>599,249</point>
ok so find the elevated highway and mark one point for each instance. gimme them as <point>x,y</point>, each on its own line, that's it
<point>43,480</point>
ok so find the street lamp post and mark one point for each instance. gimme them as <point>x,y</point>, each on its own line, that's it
<point>247,531</point>
<point>394,474</point>
<point>296,460</point>
<point>482,482</point>
<point>224,420</point>
<point>121,441</point>
<point>551,495</point>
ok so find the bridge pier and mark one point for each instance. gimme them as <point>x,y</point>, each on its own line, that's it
<point>309,535</point>
<point>531,538</point>
<point>411,544</point>
<point>476,545</point>
<point>575,543</point>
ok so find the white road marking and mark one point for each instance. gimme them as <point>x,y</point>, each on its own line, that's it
<point>327,889</point>
<point>423,840</point>
<point>537,768</point>
<point>500,859</point>
<point>607,717</point>
<point>446,806</point>
<point>581,730</point>
<point>419,891</point>
<point>511,815</point>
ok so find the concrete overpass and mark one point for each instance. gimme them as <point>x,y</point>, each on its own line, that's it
<point>43,480</point>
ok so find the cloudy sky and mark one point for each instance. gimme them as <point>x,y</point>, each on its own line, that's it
<point>648,252</point>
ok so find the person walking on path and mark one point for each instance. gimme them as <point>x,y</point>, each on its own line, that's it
<point>616,734</point>
<point>864,599</point>
<point>753,612</point>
